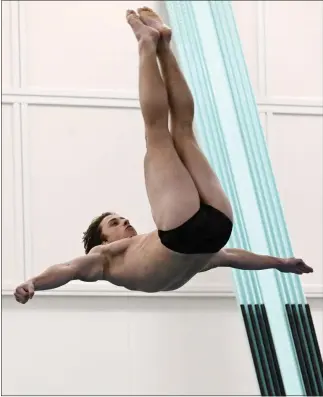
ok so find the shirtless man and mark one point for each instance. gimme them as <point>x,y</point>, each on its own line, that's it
<point>193,215</point>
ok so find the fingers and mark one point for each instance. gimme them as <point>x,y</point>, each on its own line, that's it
<point>21,298</point>
<point>21,295</point>
<point>302,267</point>
<point>308,269</point>
<point>24,293</point>
<point>305,267</point>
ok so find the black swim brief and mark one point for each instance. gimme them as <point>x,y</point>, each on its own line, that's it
<point>207,231</point>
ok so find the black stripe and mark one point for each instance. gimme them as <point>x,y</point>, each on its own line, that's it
<point>298,347</point>
<point>280,389</point>
<point>306,354</point>
<point>253,348</point>
<point>262,352</point>
<point>316,344</point>
<point>268,351</point>
<point>312,351</point>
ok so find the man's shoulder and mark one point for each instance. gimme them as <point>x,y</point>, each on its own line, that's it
<point>100,249</point>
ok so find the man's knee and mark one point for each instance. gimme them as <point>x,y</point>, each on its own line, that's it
<point>183,113</point>
<point>157,136</point>
<point>183,135</point>
<point>183,126</point>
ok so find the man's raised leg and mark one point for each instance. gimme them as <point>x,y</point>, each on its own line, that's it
<point>171,191</point>
<point>182,114</point>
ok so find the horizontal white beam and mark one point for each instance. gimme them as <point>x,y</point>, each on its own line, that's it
<point>313,291</point>
<point>125,99</point>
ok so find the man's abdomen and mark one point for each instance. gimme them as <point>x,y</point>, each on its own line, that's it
<point>160,269</point>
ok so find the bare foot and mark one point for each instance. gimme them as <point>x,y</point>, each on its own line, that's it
<point>150,18</point>
<point>141,30</point>
<point>293,265</point>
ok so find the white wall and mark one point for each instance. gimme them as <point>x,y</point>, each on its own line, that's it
<point>71,108</point>
<point>125,346</point>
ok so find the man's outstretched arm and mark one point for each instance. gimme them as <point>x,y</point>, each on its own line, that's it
<point>85,268</point>
<point>245,260</point>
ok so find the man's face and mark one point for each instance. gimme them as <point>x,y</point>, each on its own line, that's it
<point>114,227</point>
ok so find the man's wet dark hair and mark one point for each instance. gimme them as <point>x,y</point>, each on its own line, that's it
<point>92,236</point>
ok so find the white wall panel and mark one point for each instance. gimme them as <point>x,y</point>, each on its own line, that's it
<point>77,347</point>
<point>131,346</point>
<point>83,161</point>
<point>6,44</point>
<point>246,15</point>
<point>294,48</point>
<point>186,351</point>
<point>83,45</point>
<point>12,227</point>
<point>295,146</point>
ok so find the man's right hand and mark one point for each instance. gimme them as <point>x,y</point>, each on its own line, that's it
<point>24,292</point>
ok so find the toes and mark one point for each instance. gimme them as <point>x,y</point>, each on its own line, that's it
<point>133,19</point>
<point>145,9</point>
<point>131,14</point>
